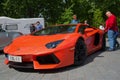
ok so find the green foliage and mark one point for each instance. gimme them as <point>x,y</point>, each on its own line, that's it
<point>51,10</point>
<point>97,18</point>
<point>66,16</point>
<point>60,11</point>
<point>18,8</point>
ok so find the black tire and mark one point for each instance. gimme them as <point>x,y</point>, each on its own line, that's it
<point>80,52</point>
<point>103,43</point>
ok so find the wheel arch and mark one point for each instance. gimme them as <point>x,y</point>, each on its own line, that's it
<point>80,54</point>
<point>80,38</point>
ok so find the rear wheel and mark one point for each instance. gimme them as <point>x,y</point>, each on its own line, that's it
<point>80,52</point>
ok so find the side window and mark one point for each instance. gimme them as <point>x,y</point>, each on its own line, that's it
<point>82,29</point>
<point>11,27</point>
<point>0,26</point>
<point>97,39</point>
<point>1,29</point>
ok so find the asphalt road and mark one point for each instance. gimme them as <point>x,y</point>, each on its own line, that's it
<point>99,66</point>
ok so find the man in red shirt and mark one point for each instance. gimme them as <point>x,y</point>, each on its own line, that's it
<point>111,29</point>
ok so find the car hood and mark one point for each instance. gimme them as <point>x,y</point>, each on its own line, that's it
<point>29,44</point>
<point>29,40</point>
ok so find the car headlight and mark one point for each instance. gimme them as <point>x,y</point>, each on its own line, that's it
<point>53,44</point>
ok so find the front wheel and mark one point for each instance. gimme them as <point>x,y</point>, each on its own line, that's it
<point>80,52</point>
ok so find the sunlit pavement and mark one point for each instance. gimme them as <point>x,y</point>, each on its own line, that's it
<point>99,66</point>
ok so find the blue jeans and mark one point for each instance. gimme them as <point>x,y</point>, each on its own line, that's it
<point>111,39</point>
<point>116,35</point>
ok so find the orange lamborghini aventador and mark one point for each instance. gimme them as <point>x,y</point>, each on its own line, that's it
<point>54,47</point>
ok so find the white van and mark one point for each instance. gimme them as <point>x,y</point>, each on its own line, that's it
<point>19,25</point>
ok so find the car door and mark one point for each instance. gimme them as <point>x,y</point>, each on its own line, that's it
<point>89,36</point>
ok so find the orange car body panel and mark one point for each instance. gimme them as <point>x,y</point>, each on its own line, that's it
<point>29,47</point>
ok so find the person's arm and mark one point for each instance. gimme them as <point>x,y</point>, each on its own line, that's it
<point>106,26</point>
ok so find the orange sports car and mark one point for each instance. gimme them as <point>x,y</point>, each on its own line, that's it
<point>54,47</point>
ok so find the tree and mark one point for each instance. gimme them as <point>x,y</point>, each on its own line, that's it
<point>66,16</point>
<point>97,18</point>
<point>51,10</point>
<point>59,11</point>
<point>1,7</point>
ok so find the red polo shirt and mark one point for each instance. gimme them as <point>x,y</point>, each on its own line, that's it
<point>111,23</point>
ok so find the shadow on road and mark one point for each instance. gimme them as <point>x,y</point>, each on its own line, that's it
<point>91,57</point>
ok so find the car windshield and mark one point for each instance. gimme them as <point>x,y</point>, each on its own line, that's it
<point>56,30</point>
